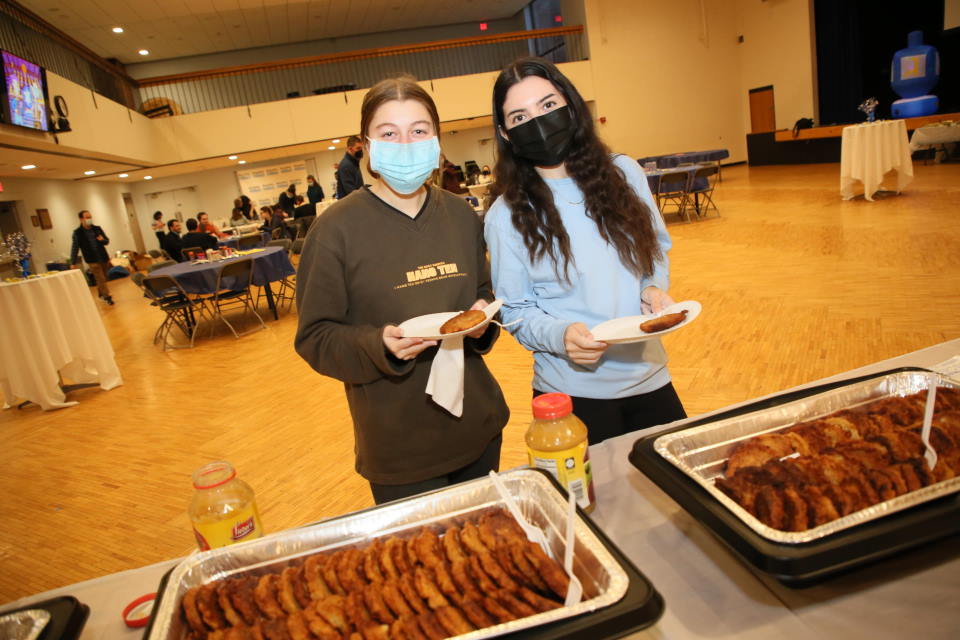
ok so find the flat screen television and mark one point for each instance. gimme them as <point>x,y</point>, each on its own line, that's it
<point>24,93</point>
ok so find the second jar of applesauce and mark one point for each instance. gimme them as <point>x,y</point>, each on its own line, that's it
<point>557,442</point>
<point>223,510</point>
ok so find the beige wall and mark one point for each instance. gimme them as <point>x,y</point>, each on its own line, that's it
<point>64,199</point>
<point>778,49</point>
<point>666,76</point>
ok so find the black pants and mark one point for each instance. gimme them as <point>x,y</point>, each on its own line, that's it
<point>488,461</point>
<point>617,416</point>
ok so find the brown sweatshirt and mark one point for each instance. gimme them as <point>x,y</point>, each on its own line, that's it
<point>366,265</point>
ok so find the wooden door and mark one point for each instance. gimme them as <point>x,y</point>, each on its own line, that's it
<point>763,117</point>
<point>134,223</point>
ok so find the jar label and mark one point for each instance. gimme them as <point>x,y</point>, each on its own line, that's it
<point>236,527</point>
<point>571,468</point>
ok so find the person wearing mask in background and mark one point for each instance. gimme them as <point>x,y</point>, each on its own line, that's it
<point>247,208</point>
<point>576,239</point>
<point>158,226</point>
<point>172,243</point>
<point>89,241</point>
<point>236,217</point>
<point>349,178</point>
<point>287,200</point>
<point>196,238</point>
<point>205,226</point>
<point>451,178</point>
<point>358,276</point>
<point>314,190</point>
<point>485,174</point>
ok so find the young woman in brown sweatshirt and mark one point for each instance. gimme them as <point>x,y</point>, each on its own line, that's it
<point>385,253</point>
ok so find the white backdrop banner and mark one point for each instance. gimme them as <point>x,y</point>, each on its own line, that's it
<point>265,184</point>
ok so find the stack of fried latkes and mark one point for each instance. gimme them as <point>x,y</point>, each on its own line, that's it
<point>818,471</point>
<point>422,587</point>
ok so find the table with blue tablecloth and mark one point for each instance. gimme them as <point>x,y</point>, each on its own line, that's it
<point>269,265</point>
<point>669,160</point>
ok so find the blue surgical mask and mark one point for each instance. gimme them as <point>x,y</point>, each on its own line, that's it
<point>405,166</point>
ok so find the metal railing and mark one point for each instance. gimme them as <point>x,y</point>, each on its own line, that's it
<point>252,84</point>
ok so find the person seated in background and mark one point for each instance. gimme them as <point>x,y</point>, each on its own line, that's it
<point>314,190</point>
<point>451,178</point>
<point>196,238</point>
<point>266,216</point>
<point>485,174</point>
<point>304,209</point>
<point>236,217</point>
<point>205,226</point>
<point>172,242</point>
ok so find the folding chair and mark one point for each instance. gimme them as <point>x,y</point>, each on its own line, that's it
<point>246,243</point>
<point>288,285</point>
<point>233,291</point>
<point>710,174</point>
<point>673,189</point>
<point>181,312</point>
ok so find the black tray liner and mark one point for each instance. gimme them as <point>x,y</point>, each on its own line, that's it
<point>799,565</point>
<point>639,608</point>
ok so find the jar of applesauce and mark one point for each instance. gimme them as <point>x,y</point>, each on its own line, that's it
<point>557,442</point>
<point>223,510</point>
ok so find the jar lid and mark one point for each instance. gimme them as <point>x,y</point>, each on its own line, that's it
<point>552,405</point>
<point>213,475</point>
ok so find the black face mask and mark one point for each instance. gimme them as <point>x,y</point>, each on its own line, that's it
<point>544,140</point>
<point>358,154</point>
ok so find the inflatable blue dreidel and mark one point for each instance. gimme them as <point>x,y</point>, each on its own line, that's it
<point>913,73</point>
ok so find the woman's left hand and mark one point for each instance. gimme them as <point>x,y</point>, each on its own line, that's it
<point>654,300</point>
<point>478,333</point>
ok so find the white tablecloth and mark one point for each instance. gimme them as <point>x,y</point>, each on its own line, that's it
<point>709,593</point>
<point>51,325</point>
<point>869,151</point>
<point>934,134</point>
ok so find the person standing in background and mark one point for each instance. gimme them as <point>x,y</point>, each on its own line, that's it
<point>158,226</point>
<point>288,199</point>
<point>349,178</point>
<point>314,190</point>
<point>247,207</point>
<point>89,241</point>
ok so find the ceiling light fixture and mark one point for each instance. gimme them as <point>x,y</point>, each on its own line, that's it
<point>27,167</point>
<point>331,147</point>
<point>124,175</point>
<point>143,52</point>
<point>241,162</point>
<point>231,157</point>
<point>148,177</point>
<point>118,29</point>
<point>335,140</point>
<point>89,173</point>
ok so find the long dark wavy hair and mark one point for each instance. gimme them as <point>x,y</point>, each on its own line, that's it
<point>622,218</point>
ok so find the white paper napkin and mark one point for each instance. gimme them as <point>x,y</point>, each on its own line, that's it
<point>445,384</point>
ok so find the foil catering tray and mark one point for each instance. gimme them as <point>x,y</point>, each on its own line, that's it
<point>685,460</point>
<point>617,597</point>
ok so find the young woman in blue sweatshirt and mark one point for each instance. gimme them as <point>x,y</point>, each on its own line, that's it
<point>575,239</point>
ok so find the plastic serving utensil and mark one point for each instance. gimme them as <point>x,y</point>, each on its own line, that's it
<point>930,455</point>
<point>575,589</point>
<point>534,534</point>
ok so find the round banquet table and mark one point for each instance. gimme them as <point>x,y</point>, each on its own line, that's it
<point>709,593</point>
<point>871,149</point>
<point>51,326</point>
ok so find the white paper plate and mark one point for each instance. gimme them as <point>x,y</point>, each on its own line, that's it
<point>428,326</point>
<point>627,329</point>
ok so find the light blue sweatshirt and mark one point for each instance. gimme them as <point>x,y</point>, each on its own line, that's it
<point>601,288</point>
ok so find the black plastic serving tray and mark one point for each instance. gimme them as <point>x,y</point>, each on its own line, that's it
<point>67,617</point>
<point>799,565</point>
<point>639,608</point>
